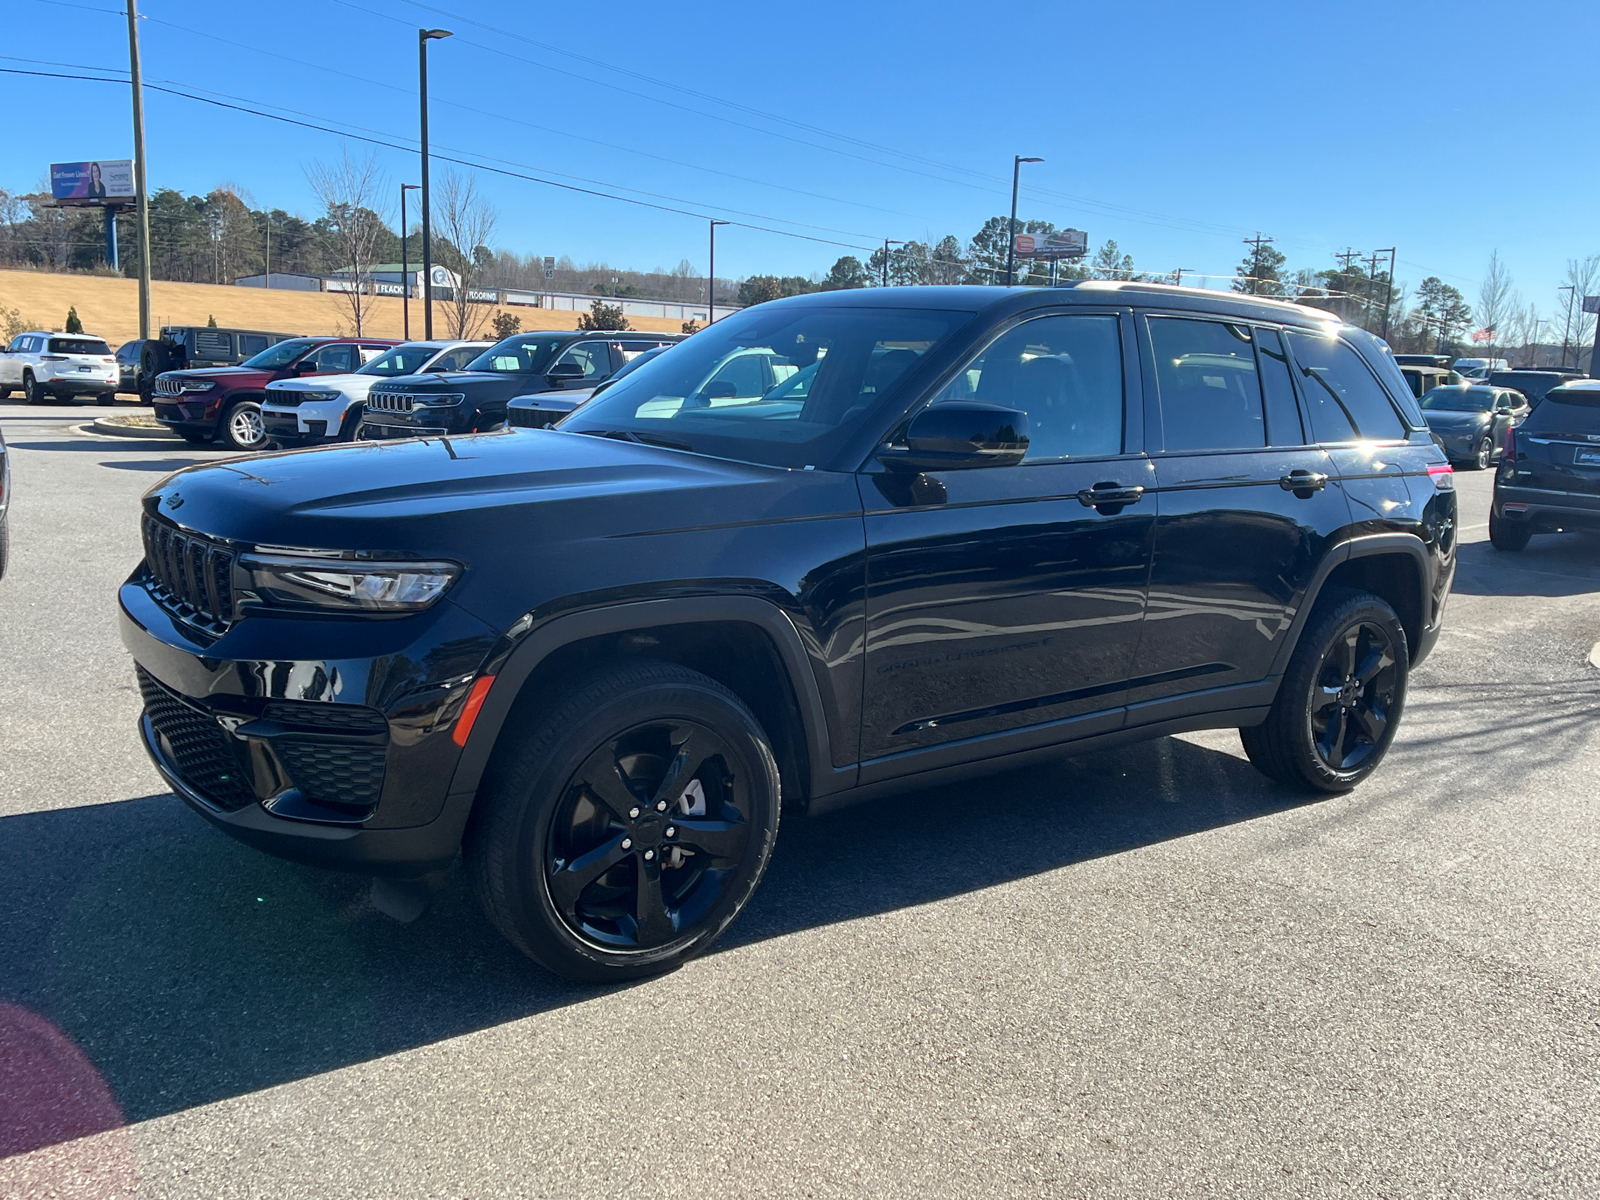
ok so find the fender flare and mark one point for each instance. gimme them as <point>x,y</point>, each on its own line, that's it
<point>546,639</point>
<point>1366,546</point>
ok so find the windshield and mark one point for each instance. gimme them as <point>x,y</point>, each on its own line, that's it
<point>522,354</point>
<point>281,355</point>
<point>402,360</point>
<point>1458,399</point>
<point>78,346</point>
<point>784,386</point>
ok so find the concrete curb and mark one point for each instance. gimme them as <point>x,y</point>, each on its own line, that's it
<point>113,427</point>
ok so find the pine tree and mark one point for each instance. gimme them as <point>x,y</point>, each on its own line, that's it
<point>73,324</point>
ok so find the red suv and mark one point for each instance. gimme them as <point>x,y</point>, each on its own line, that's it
<point>224,403</point>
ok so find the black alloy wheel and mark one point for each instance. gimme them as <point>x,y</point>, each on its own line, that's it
<point>1339,705</point>
<point>1480,460</point>
<point>624,827</point>
<point>646,836</point>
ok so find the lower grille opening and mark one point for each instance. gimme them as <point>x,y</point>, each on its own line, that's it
<point>331,773</point>
<point>200,751</point>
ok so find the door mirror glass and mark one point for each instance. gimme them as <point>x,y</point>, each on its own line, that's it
<point>959,435</point>
<point>565,370</point>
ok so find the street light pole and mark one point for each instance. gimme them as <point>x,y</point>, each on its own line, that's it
<point>424,36</point>
<point>1011,230</point>
<point>886,244</point>
<point>405,265</point>
<point>711,277</point>
<point>1566,334</point>
<point>141,200</point>
<point>1388,289</point>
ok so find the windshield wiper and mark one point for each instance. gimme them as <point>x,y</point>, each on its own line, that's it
<point>642,439</point>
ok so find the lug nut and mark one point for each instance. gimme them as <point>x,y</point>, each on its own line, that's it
<point>627,843</point>
<point>633,814</point>
<point>671,831</point>
<point>661,806</point>
<point>649,854</point>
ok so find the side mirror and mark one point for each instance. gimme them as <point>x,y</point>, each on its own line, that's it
<point>721,390</point>
<point>563,373</point>
<point>961,435</point>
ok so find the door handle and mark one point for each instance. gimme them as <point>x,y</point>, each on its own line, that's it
<point>1113,496</point>
<point>1302,483</point>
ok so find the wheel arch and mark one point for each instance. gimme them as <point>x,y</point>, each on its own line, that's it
<point>1392,566</point>
<point>748,645</point>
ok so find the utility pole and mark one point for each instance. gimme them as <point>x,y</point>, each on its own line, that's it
<point>1177,275</point>
<point>1566,334</point>
<point>141,200</point>
<point>405,265</point>
<point>1255,259</point>
<point>711,277</point>
<point>424,36</point>
<point>1388,291</point>
<point>1372,276</point>
<point>1011,230</point>
<point>266,280</point>
<point>886,244</point>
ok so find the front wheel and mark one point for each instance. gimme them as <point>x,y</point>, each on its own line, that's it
<point>1339,705</point>
<point>629,826</point>
<point>1480,458</point>
<point>1508,535</point>
<point>242,427</point>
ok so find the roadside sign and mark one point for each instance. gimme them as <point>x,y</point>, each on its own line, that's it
<point>89,183</point>
<point>549,266</point>
<point>1591,304</point>
<point>1063,243</point>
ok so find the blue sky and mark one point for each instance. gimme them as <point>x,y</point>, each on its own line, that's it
<point>1447,130</point>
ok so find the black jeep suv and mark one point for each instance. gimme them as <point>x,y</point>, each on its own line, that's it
<point>966,528</point>
<point>475,400</point>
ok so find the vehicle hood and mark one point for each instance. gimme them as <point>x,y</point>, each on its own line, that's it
<point>505,490</point>
<point>322,383</point>
<point>1438,419</point>
<point>454,380</point>
<point>221,373</point>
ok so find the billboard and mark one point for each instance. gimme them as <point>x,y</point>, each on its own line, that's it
<point>109,181</point>
<point>1064,243</point>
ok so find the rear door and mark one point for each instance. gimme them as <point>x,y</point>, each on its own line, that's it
<point>1246,504</point>
<point>1558,447</point>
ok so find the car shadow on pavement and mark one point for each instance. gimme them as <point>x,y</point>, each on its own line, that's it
<point>1556,564</point>
<point>189,968</point>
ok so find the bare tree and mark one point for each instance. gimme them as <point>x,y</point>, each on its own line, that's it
<point>464,218</point>
<point>353,192</point>
<point>1496,301</point>
<point>1583,276</point>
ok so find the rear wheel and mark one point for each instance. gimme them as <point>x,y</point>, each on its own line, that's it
<point>31,391</point>
<point>629,827</point>
<point>106,398</point>
<point>1339,705</point>
<point>242,427</point>
<point>1508,535</point>
<point>1485,450</point>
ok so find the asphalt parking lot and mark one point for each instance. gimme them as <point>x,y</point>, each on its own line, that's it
<point>1143,972</point>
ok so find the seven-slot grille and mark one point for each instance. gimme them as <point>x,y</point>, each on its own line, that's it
<point>396,402</point>
<point>168,387</point>
<point>193,575</point>
<point>285,397</point>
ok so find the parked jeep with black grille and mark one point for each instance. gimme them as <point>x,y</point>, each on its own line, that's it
<point>960,529</point>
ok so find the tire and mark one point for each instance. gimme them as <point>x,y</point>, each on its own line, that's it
<point>1350,635</point>
<point>5,393</point>
<point>106,398</point>
<point>241,427</point>
<point>1508,535</point>
<point>31,391</point>
<point>560,806</point>
<point>5,544</point>
<point>1485,452</point>
<point>351,422</point>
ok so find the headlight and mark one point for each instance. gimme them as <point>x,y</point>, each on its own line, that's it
<point>196,385</point>
<point>346,583</point>
<point>319,395</point>
<point>444,399</point>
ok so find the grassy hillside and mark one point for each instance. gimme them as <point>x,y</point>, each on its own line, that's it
<point>110,307</point>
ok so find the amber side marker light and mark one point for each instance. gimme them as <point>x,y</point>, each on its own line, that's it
<point>469,711</point>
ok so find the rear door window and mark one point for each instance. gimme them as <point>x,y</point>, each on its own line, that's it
<point>251,344</point>
<point>335,358</point>
<point>1277,385</point>
<point>1344,398</point>
<point>1209,386</point>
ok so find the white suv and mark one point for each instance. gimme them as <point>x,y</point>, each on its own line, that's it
<point>47,365</point>
<point>327,408</point>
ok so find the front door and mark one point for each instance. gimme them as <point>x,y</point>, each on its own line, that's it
<point>998,600</point>
<point>1245,506</point>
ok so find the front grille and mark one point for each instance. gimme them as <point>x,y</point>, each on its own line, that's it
<point>333,718</point>
<point>166,386</point>
<point>396,402</point>
<point>284,398</point>
<point>200,752</point>
<point>331,772</point>
<point>193,576</point>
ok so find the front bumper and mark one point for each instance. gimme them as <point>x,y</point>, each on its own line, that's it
<point>285,428</point>
<point>1547,511</point>
<point>194,417</point>
<point>387,426</point>
<point>321,740</point>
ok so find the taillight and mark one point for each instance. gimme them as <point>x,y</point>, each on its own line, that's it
<point>52,358</point>
<point>1443,476</point>
<point>1508,445</point>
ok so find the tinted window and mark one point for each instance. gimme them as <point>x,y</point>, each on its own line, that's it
<point>335,358</point>
<point>593,357</point>
<point>1210,390</point>
<point>252,343</point>
<point>1065,372</point>
<point>130,351</point>
<point>1344,398</point>
<point>1283,410</point>
<point>1566,412</point>
<point>281,355</point>
<point>855,356</point>
<point>78,346</point>
<point>518,355</point>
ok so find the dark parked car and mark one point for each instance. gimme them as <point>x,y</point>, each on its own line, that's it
<point>1549,476</point>
<point>224,403</point>
<point>969,528</point>
<point>180,347</point>
<point>1534,384</point>
<point>476,399</point>
<point>1423,379</point>
<point>1470,420</point>
<point>544,409</point>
